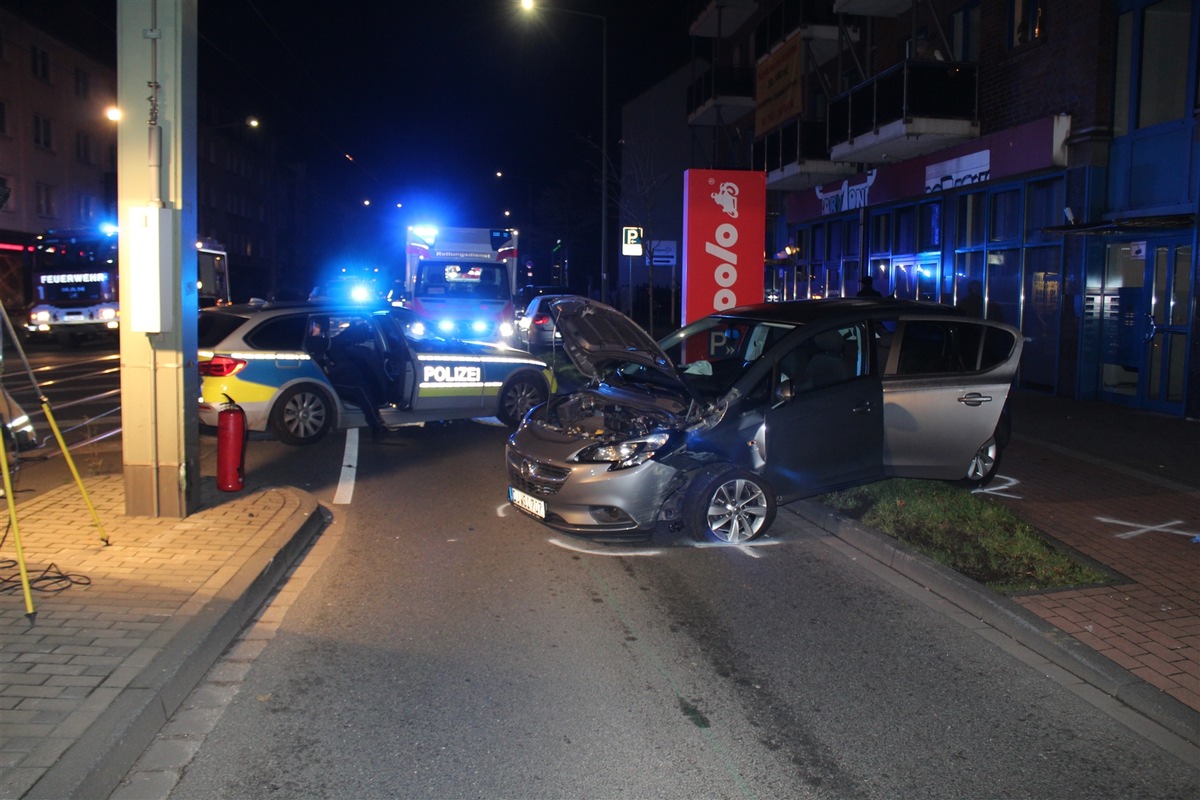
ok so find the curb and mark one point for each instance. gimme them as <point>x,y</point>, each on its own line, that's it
<point>1011,619</point>
<point>98,760</point>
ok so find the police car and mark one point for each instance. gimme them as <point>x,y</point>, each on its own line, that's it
<point>300,370</point>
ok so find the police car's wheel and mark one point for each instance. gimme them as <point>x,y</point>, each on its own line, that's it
<point>302,415</point>
<point>520,394</point>
<point>728,504</point>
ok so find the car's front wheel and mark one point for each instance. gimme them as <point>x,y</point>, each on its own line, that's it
<point>520,394</point>
<point>302,415</point>
<point>728,504</point>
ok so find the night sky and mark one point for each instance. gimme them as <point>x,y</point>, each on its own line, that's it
<point>429,98</point>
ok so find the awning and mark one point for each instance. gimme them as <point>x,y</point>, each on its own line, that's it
<point>1162,222</point>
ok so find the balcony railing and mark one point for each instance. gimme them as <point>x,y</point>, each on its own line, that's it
<point>793,142</point>
<point>913,89</point>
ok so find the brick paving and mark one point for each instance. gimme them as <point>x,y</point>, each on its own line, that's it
<point>133,622</point>
<point>1121,488</point>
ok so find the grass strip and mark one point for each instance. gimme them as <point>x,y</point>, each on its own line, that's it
<point>972,534</point>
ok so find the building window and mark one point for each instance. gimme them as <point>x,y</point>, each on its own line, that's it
<point>1025,22</point>
<point>83,83</point>
<point>6,195</point>
<point>1162,91</point>
<point>39,62</point>
<point>83,147</point>
<point>965,32</point>
<point>43,132</point>
<point>3,118</point>
<point>85,211</point>
<point>45,200</point>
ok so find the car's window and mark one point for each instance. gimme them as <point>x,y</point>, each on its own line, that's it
<point>279,333</point>
<point>826,358</point>
<point>712,357</point>
<point>347,330</point>
<point>949,346</point>
<point>214,327</point>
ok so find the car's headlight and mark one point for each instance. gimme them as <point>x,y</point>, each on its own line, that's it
<point>108,313</point>
<point>506,329</point>
<point>40,316</point>
<point>622,455</point>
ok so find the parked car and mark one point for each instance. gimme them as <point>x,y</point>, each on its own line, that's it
<point>300,370</point>
<point>714,426</point>
<point>535,325</point>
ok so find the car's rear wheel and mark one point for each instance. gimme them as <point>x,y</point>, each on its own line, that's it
<point>728,504</point>
<point>983,465</point>
<point>302,415</point>
<point>521,393</point>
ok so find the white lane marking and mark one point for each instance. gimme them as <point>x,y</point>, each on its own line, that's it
<point>605,552</point>
<point>345,488</point>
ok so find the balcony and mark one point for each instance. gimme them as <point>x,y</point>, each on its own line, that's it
<point>720,96</point>
<point>795,156</point>
<point>914,108</point>
<point>716,19</point>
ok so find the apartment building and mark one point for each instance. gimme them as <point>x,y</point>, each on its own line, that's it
<point>1036,161</point>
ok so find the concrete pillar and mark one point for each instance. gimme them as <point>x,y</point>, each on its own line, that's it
<point>156,203</point>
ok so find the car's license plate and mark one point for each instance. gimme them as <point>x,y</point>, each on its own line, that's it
<point>525,502</point>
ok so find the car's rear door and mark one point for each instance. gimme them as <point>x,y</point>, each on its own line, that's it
<point>945,384</point>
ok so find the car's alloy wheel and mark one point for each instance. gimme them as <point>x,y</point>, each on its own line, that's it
<point>302,415</point>
<point>517,397</point>
<point>728,504</point>
<point>983,466</point>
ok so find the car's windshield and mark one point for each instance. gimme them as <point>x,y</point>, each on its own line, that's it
<point>714,352</point>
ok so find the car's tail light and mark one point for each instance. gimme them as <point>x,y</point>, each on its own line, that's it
<point>221,367</point>
<point>541,319</point>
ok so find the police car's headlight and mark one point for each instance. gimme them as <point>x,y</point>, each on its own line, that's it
<point>622,455</point>
<point>506,329</point>
<point>446,326</point>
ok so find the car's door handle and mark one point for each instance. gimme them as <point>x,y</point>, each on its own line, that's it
<point>974,399</point>
<point>862,408</point>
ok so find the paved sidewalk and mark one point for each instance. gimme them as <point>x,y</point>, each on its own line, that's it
<point>107,660</point>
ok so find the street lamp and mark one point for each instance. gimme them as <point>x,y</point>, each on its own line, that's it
<point>528,6</point>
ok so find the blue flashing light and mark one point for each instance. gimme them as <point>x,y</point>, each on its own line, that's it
<point>108,229</point>
<point>360,294</point>
<point>479,326</point>
<point>446,326</point>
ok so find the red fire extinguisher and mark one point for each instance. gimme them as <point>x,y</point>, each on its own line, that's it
<point>232,435</point>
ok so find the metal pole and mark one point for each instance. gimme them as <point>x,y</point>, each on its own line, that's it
<point>604,163</point>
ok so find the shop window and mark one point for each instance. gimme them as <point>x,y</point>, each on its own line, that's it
<point>971,230</point>
<point>881,232</point>
<point>1006,216</point>
<point>930,234</point>
<point>905,240</point>
<point>1004,286</point>
<point>1045,201</point>
<point>966,288</point>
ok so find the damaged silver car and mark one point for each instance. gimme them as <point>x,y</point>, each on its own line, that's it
<point>712,428</point>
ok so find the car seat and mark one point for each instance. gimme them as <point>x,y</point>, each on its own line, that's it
<point>829,365</point>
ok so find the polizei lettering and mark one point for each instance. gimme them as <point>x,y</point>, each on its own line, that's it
<point>725,273</point>
<point>443,373</point>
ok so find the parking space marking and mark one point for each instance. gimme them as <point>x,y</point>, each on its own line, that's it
<point>1137,529</point>
<point>345,487</point>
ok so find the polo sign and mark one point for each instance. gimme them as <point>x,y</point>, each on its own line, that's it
<point>724,225</point>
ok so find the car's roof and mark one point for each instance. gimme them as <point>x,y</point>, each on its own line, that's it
<point>812,311</point>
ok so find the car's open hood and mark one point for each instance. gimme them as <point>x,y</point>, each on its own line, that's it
<point>595,335</point>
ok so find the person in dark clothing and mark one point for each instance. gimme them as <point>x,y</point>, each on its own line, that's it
<point>866,287</point>
<point>354,372</point>
<point>972,304</point>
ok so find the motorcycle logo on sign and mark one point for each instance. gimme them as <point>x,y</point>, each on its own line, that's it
<point>726,197</point>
